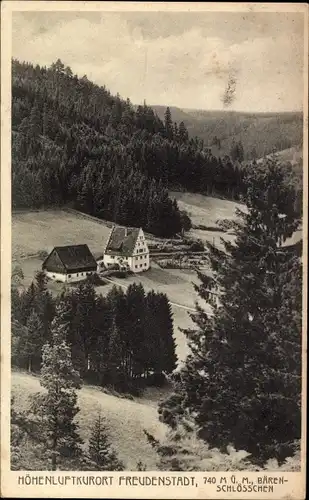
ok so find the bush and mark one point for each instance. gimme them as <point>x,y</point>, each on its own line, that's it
<point>95,280</point>
<point>119,274</point>
<point>43,254</point>
<point>197,246</point>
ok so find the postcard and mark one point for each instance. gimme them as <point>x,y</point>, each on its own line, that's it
<point>154,189</point>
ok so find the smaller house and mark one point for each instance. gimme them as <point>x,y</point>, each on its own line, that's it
<point>70,263</point>
<point>127,247</point>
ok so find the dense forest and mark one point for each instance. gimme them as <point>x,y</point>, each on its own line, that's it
<point>123,340</point>
<point>73,142</point>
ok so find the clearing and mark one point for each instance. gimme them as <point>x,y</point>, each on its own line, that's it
<point>125,419</point>
<point>205,210</point>
<point>33,232</point>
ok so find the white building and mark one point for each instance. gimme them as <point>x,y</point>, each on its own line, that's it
<point>127,247</point>
<point>70,263</point>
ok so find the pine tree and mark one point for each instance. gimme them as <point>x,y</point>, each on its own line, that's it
<point>101,455</point>
<point>168,124</point>
<point>54,411</point>
<point>57,66</point>
<point>114,356</point>
<point>32,343</point>
<point>44,304</point>
<point>168,352</point>
<point>35,125</point>
<point>183,133</point>
<point>241,381</point>
<point>159,344</point>
<point>136,327</point>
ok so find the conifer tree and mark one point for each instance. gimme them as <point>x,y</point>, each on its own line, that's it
<point>44,303</point>
<point>183,133</point>
<point>241,382</point>
<point>101,455</point>
<point>168,350</point>
<point>114,357</point>
<point>168,123</point>
<point>33,341</point>
<point>136,326</point>
<point>35,122</point>
<point>55,410</point>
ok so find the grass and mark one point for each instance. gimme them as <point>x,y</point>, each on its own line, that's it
<point>33,232</point>
<point>125,419</point>
<point>205,210</point>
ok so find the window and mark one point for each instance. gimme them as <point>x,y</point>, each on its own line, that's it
<point>77,274</point>
<point>54,276</point>
<point>69,276</point>
<point>141,265</point>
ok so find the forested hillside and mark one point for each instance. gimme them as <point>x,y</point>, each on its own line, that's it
<point>72,141</point>
<point>220,129</point>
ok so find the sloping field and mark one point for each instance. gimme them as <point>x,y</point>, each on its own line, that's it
<point>205,209</point>
<point>293,155</point>
<point>33,232</point>
<point>125,419</point>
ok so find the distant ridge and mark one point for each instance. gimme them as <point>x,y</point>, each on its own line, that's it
<point>260,133</point>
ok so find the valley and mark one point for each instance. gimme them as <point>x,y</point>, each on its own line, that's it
<point>35,233</point>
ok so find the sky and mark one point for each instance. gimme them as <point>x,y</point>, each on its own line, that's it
<point>184,59</point>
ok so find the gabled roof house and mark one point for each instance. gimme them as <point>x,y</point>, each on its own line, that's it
<point>70,263</point>
<point>127,247</point>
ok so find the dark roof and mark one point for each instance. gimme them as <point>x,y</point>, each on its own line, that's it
<point>122,241</point>
<point>76,257</point>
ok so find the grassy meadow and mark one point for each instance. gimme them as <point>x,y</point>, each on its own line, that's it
<point>125,419</point>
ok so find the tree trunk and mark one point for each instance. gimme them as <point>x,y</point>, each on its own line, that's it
<point>54,461</point>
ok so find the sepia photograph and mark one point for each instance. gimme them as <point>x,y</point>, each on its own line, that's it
<point>154,199</point>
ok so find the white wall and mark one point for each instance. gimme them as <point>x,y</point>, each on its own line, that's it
<point>115,259</point>
<point>56,276</point>
<point>68,278</point>
<point>138,262</point>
